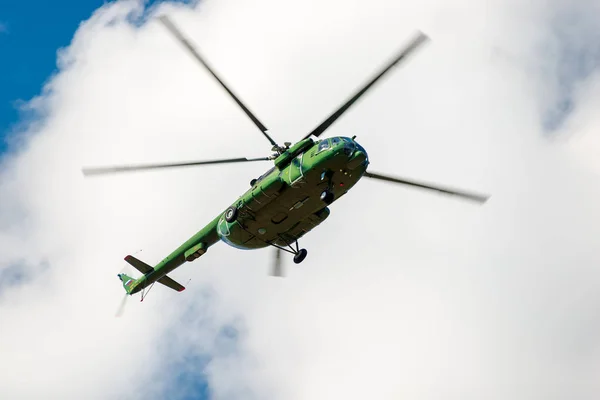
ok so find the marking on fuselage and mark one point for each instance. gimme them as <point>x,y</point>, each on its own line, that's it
<point>220,228</point>
<point>300,159</point>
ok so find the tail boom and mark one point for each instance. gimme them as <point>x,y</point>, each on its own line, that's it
<point>187,252</point>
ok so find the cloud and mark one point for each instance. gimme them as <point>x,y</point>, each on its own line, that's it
<point>569,56</point>
<point>403,293</point>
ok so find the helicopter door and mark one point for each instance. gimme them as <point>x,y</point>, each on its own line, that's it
<point>295,171</point>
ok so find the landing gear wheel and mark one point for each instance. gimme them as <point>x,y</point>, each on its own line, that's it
<point>300,256</point>
<point>327,197</point>
<point>231,214</point>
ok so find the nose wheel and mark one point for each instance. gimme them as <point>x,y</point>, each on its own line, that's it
<point>231,214</point>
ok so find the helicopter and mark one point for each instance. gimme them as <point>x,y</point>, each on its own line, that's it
<point>287,201</point>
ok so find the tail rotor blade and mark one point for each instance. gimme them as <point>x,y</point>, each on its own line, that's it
<point>121,308</point>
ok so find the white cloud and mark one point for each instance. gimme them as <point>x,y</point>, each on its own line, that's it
<point>403,293</point>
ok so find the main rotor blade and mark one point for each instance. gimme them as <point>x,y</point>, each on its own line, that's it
<point>413,44</point>
<point>470,196</point>
<point>277,268</point>
<point>130,168</point>
<point>177,33</point>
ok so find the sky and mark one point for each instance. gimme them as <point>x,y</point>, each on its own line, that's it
<point>404,293</point>
<point>30,38</point>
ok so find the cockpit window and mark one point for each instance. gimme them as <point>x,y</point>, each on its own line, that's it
<point>323,145</point>
<point>335,141</point>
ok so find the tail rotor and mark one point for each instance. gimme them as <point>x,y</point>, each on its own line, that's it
<point>124,275</point>
<point>121,308</point>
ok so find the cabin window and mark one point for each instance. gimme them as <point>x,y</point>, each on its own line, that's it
<point>260,178</point>
<point>323,145</point>
<point>335,141</point>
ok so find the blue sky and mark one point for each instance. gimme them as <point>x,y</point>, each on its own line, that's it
<point>29,39</point>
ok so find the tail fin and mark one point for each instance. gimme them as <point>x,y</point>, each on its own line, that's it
<point>127,282</point>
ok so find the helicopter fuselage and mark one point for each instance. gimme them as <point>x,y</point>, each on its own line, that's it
<point>291,198</point>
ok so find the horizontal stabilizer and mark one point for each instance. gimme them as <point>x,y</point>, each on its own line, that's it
<point>139,265</point>
<point>165,280</point>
